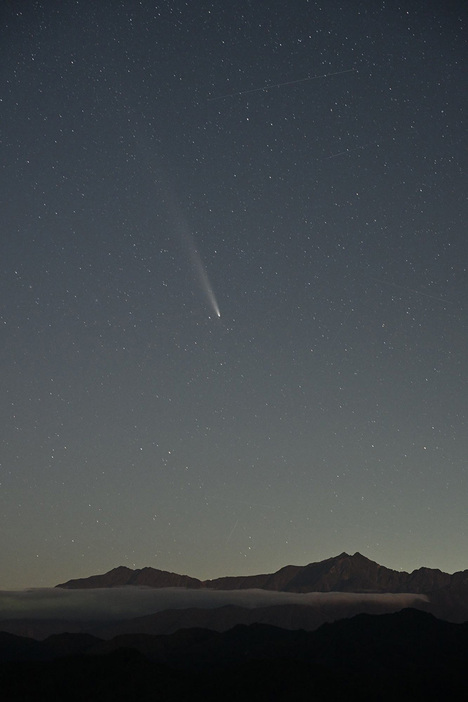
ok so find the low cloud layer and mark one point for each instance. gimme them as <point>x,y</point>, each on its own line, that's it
<point>128,602</point>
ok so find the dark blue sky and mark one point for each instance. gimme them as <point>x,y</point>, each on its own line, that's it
<point>144,171</point>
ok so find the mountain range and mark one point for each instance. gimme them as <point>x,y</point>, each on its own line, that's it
<point>343,573</point>
<point>345,586</point>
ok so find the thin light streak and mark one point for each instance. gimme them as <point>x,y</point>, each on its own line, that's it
<point>280,85</point>
<point>412,290</point>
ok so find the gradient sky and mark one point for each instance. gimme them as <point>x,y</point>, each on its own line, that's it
<point>300,165</point>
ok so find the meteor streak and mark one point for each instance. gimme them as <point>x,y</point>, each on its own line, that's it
<point>279,85</point>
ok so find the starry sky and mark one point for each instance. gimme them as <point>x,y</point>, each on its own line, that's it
<point>298,168</point>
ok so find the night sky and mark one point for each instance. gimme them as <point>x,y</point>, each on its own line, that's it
<point>298,167</point>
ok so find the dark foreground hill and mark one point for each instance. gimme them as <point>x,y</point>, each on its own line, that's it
<point>343,573</point>
<point>406,656</point>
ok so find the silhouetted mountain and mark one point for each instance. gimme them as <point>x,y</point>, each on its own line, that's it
<point>118,577</point>
<point>356,573</point>
<point>343,573</point>
<point>408,655</point>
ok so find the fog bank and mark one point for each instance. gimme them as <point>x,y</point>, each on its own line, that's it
<point>127,602</point>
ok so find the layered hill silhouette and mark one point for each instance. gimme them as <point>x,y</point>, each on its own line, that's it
<point>408,655</point>
<point>366,587</point>
<point>295,597</point>
<point>368,632</point>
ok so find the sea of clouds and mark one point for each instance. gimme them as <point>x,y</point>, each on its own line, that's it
<point>128,602</point>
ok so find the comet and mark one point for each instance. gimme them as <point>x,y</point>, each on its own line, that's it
<point>202,275</point>
<point>188,241</point>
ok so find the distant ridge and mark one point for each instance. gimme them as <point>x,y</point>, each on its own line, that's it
<point>343,573</point>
